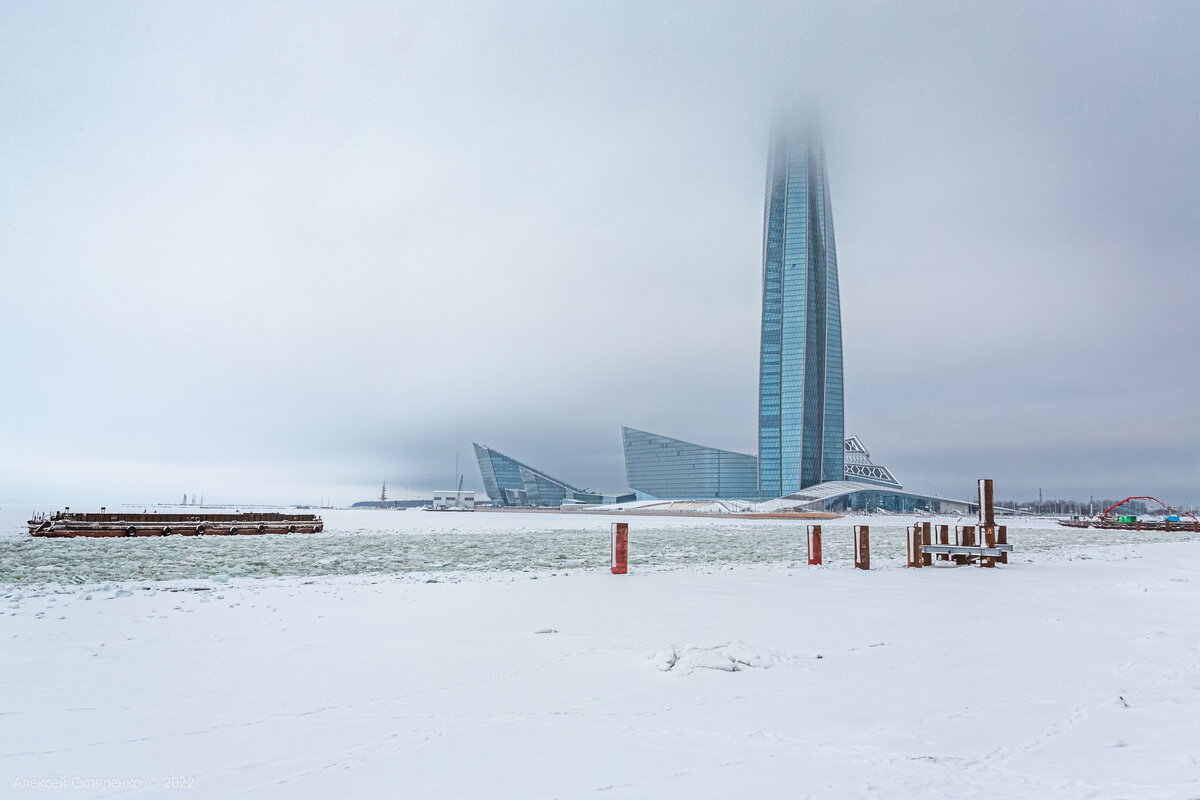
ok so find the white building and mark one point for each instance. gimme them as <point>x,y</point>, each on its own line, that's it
<point>452,500</point>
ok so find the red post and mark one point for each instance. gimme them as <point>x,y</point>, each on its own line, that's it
<point>1002,538</point>
<point>989,540</point>
<point>862,547</point>
<point>814,545</point>
<point>926,538</point>
<point>620,548</point>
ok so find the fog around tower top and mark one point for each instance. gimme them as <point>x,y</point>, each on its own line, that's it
<point>281,253</point>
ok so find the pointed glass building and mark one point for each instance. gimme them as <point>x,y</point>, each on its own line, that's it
<point>508,482</point>
<point>801,428</point>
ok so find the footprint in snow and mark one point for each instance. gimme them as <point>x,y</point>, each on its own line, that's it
<point>730,657</point>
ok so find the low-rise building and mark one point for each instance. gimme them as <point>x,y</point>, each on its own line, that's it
<point>452,500</point>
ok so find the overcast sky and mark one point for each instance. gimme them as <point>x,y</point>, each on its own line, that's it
<point>284,251</point>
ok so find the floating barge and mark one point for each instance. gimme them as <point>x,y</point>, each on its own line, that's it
<point>1110,524</point>
<point>68,524</point>
<point>1172,521</point>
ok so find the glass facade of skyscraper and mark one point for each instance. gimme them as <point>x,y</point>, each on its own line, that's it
<point>800,406</point>
<point>661,467</point>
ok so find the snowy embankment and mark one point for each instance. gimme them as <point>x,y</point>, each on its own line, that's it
<point>1073,676</point>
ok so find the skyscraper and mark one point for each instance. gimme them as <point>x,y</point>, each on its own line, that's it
<point>801,426</point>
<point>805,462</point>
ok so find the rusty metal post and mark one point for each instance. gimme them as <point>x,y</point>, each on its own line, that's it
<point>620,548</point>
<point>987,505</point>
<point>912,545</point>
<point>862,547</point>
<point>1002,538</point>
<point>814,545</point>
<point>987,520</point>
<point>943,532</point>
<point>926,558</point>
<point>964,535</point>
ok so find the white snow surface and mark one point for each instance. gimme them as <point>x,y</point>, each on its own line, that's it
<point>711,670</point>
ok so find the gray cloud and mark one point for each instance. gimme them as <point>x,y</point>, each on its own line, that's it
<point>279,252</point>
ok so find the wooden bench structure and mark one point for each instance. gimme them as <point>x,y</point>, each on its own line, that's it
<point>967,547</point>
<point>985,544</point>
<point>958,550</point>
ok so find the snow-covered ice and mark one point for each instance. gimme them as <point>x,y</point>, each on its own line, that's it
<point>721,666</point>
<point>363,542</point>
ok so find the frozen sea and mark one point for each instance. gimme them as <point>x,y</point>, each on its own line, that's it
<point>412,654</point>
<point>379,542</point>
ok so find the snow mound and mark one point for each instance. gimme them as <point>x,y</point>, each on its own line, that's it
<point>729,657</point>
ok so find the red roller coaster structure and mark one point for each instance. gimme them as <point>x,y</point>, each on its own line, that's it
<point>1105,521</point>
<point>1108,510</point>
